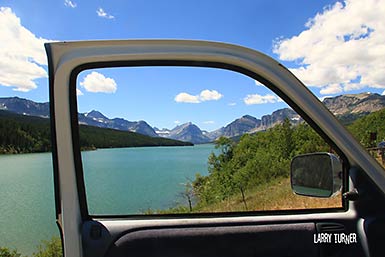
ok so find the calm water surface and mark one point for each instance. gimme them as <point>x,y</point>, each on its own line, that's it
<point>118,181</point>
<point>27,213</point>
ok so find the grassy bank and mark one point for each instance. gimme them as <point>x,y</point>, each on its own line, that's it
<point>274,195</point>
<point>271,196</point>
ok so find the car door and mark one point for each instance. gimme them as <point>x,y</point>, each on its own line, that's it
<point>353,229</point>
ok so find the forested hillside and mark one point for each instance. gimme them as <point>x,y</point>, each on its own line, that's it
<point>255,160</point>
<point>372,123</point>
<point>95,137</point>
<point>27,134</point>
<point>23,134</point>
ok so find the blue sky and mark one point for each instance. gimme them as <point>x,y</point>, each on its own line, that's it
<point>334,47</point>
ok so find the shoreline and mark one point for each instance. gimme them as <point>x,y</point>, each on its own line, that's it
<point>13,151</point>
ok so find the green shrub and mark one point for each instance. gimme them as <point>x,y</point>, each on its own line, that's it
<point>50,248</point>
<point>5,252</point>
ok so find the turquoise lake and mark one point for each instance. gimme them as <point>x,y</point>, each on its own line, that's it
<point>118,181</point>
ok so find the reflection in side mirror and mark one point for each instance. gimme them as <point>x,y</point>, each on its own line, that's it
<point>316,174</point>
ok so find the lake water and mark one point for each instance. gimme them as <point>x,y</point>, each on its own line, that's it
<point>118,181</point>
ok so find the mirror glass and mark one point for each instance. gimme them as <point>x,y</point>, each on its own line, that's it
<point>317,174</point>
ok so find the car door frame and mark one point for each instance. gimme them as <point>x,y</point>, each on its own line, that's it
<point>67,59</point>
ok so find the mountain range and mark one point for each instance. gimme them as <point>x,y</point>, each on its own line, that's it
<point>97,119</point>
<point>346,107</point>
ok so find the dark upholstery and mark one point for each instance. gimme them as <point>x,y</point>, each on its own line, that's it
<point>262,240</point>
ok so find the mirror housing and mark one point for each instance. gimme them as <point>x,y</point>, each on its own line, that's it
<point>316,174</point>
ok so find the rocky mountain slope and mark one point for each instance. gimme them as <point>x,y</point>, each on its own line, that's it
<point>188,132</point>
<point>352,104</point>
<point>97,119</point>
<point>241,126</point>
<point>24,106</point>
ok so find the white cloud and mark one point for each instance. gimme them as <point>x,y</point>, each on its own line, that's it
<point>103,14</point>
<point>257,83</point>
<point>353,86</point>
<point>186,98</point>
<point>344,44</point>
<point>79,92</point>
<point>261,99</point>
<point>205,95</point>
<point>324,97</point>
<point>209,122</point>
<point>232,104</point>
<point>177,122</point>
<point>96,82</point>
<point>210,95</point>
<point>70,3</point>
<point>22,54</point>
<point>383,93</point>
<point>331,89</point>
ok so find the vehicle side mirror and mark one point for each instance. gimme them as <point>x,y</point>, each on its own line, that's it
<point>316,174</point>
